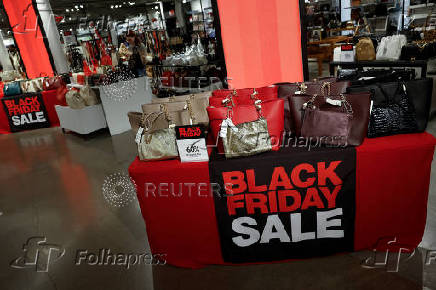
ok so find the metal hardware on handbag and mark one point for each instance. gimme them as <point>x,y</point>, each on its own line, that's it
<point>329,127</point>
<point>154,145</point>
<point>246,139</point>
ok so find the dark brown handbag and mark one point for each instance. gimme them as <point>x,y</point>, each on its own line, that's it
<point>324,87</point>
<point>360,104</point>
<point>326,126</point>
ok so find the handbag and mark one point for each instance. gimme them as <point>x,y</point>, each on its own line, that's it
<point>419,93</point>
<point>288,90</point>
<point>393,117</point>
<point>182,98</point>
<point>245,139</point>
<point>194,107</point>
<point>327,126</point>
<point>415,51</point>
<point>157,144</point>
<point>74,99</point>
<point>359,102</point>
<point>89,96</point>
<point>32,86</point>
<point>10,75</point>
<point>136,120</point>
<point>12,89</point>
<point>365,49</point>
<point>242,96</point>
<point>390,47</point>
<point>272,112</point>
<point>192,111</point>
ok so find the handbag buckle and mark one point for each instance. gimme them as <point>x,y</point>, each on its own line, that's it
<point>303,88</point>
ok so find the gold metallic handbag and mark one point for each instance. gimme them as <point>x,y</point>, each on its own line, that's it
<point>245,139</point>
<point>158,144</point>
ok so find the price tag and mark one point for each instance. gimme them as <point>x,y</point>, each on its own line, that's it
<point>191,143</point>
<point>347,53</point>
<point>139,135</point>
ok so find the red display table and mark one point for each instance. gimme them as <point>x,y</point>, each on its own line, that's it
<point>50,101</point>
<point>392,183</point>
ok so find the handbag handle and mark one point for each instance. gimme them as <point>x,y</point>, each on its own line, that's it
<point>344,104</point>
<point>325,85</point>
<point>148,120</point>
<point>164,110</point>
<point>387,99</point>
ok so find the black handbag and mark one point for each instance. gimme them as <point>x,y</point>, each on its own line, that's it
<point>419,93</point>
<point>373,76</point>
<point>414,51</point>
<point>395,115</point>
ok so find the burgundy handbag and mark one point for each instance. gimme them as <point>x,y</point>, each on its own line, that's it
<point>360,104</point>
<point>288,90</point>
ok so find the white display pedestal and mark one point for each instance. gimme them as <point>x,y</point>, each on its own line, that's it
<point>82,121</point>
<point>130,99</point>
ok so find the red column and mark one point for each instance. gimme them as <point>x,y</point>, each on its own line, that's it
<point>28,37</point>
<point>262,41</point>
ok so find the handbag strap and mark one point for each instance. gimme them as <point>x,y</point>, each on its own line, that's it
<point>344,104</point>
<point>164,110</point>
<point>325,85</point>
<point>388,100</point>
<point>147,120</point>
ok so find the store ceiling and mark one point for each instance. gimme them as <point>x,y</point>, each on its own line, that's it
<point>92,9</point>
<point>99,7</point>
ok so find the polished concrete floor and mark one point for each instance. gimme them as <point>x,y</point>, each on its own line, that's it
<point>51,186</point>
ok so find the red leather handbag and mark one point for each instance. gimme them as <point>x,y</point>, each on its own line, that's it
<point>272,111</point>
<point>222,98</point>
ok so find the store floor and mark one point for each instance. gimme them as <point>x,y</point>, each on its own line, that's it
<point>51,186</point>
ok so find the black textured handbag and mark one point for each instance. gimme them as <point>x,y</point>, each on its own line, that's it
<point>419,92</point>
<point>396,115</point>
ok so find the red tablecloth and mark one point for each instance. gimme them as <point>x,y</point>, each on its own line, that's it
<point>50,101</point>
<point>392,183</point>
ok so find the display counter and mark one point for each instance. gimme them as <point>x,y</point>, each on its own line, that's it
<point>287,205</point>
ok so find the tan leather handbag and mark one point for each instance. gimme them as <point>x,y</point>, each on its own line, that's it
<point>136,120</point>
<point>365,49</point>
<point>183,98</point>
<point>182,110</point>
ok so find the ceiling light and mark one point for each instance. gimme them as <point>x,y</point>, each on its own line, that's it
<point>76,7</point>
<point>67,10</point>
<point>81,6</point>
<point>112,6</point>
<point>156,7</point>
